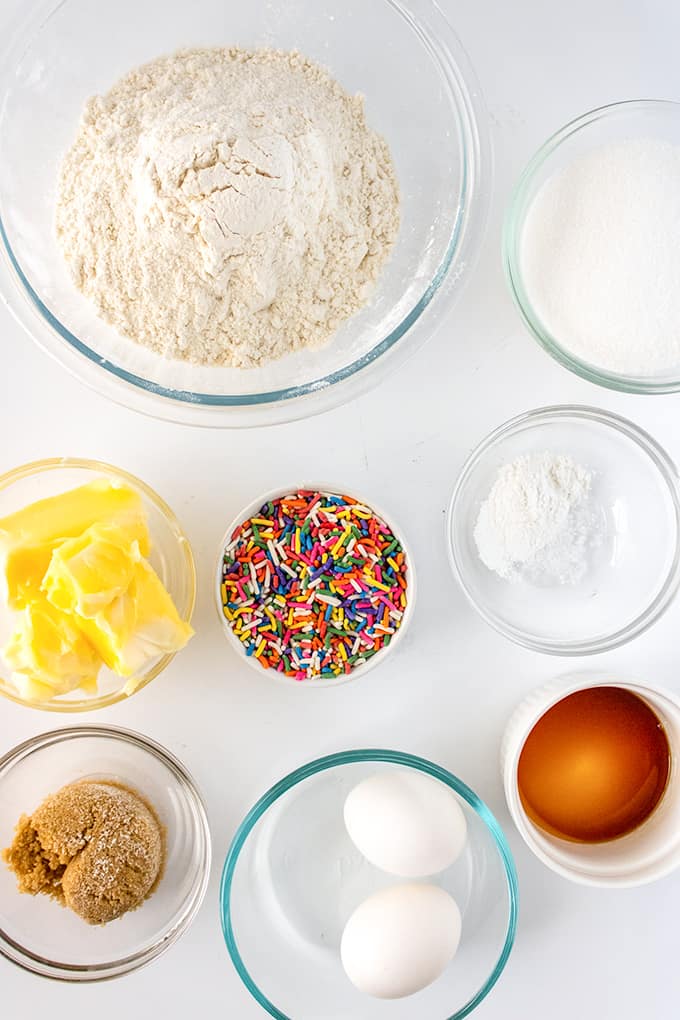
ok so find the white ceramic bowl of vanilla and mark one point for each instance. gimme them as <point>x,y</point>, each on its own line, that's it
<point>645,854</point>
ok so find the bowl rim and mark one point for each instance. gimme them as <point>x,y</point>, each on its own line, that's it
<point>23,957</point>
<point>356,673</point>
<point>432,29</point>
<point>667,471</point>
<point>349,757</point>
<point>518,206</point>
<point>35,467</point>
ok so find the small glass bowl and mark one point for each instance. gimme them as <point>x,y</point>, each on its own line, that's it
<point>171,557</point>
<point>41,936</point>
<point>633,575</point>
<point>292,878</point>
<point>316,683</point>
<point>366,47</point>
<point>616,122</point>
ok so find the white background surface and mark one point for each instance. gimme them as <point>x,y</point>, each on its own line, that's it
<point>580,953</point>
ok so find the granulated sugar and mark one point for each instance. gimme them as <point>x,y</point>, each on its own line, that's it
<point>601,261</point>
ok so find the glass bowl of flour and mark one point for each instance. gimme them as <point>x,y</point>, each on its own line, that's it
<point>563,530</point>
<point>590,246</point>
<point>158,204</point>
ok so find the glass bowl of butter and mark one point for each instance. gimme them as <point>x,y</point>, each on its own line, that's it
<point>97,582</point>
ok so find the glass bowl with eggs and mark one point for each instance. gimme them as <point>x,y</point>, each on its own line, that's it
<point>97,584</point>
<point>235,236</point>
<point>369,883</point>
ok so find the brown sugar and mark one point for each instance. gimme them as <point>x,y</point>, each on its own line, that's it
<point>95,845</point>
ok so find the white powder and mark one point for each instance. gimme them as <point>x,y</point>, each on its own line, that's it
<point>601,260</point>
<point>537,522</point>
<point>227,207</point>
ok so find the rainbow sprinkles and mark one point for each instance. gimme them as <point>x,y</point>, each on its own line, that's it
<point>315,585</point>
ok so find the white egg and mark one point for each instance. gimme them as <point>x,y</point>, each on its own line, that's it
<point>406,823</point>
<point>400,940</point>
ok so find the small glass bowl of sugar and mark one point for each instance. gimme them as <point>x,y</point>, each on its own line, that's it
<point>564,530</point>
<point>590,246</point>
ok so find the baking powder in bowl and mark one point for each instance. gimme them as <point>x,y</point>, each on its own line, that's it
<point>538,522</point>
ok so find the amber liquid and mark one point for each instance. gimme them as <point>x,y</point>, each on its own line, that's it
<point>595,766</point>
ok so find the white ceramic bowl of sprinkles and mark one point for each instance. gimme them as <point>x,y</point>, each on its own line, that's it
<point>378,604</point>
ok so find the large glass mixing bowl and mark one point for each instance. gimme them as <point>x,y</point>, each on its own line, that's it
<point>420,94</point>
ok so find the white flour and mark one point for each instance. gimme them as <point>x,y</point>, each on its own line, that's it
<point>537,521</point>
<point>600,257</point>
<point>227,207</point>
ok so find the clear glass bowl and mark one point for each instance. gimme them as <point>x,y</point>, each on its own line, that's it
<point>633,575</point>
<point>171,557</point>
<point>317,683</point>
<point>658,119</point>
<point>41,936</point>
<point>64,51</point>
<point>292,878</point>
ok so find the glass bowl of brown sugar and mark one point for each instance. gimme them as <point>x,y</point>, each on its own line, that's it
<point>56,935</point>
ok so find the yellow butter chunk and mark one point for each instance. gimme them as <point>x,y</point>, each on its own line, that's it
<point>49,654</point>
<point>84,593</point>
<point>138,627</point>
<point>87,573</point>
<point>29,536</point>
